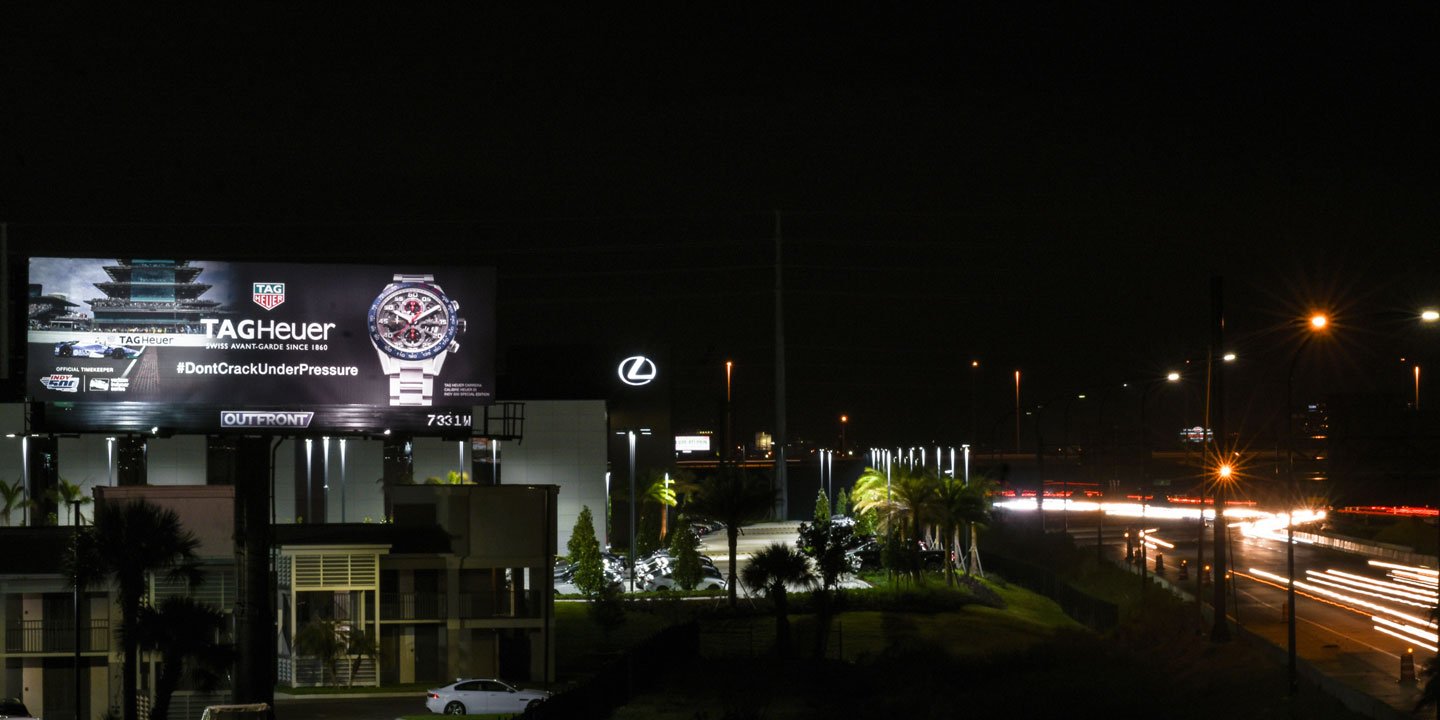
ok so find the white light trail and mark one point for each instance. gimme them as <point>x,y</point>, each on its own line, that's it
<point>1342,597</point>
<point>1426,635</point>
<point>1406,638</point>
<point>1357,589</point>
<point>1383,586</point>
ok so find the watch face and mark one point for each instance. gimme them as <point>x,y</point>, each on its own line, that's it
<point>412,321</point>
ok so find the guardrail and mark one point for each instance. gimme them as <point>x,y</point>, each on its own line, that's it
<point>1398,553</point>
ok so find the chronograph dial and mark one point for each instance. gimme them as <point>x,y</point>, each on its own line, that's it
<point>413,327</point>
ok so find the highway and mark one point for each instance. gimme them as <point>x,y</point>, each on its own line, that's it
<point>1355,619</point>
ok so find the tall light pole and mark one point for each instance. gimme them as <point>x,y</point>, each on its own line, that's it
<point>974,370</point>
<point>844,419</point>
<point>1318,323</point>
<point>1429,316</point>
<point>1220,630</point>
<point>729,437</point>
<point>1017,412</point>
<point>1171,377</point>
<point>630,434</point>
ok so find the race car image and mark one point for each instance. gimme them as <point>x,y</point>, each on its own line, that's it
<point>95,349</point>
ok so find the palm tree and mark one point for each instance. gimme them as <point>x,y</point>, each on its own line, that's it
<point>872,494</point>
<point>68,493</point>
<point>323,639</point>
<point>950,509</point>
<point>661,490</point>
<point>735,498</point>
<point>186,633</point>
<point>902,495</point>
<point>129,542</point>
<point>774,567</point>
<point>360,646</point>
<point>12,498</point>
<point>982,490</point>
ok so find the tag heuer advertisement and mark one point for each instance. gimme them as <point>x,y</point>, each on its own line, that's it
<point>262,345</point>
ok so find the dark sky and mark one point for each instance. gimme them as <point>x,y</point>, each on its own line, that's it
<point>1038,186</point>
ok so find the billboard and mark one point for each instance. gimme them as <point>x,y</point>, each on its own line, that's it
<point>204,346</point>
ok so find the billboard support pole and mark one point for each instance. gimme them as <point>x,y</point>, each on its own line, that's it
<point>255,670</point>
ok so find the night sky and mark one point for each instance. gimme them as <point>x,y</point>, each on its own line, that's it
<point>1042,187</point>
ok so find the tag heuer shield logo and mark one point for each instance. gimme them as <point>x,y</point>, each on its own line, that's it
<point>267,294</point>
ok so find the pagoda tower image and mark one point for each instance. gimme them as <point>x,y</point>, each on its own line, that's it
<point>152,296</point>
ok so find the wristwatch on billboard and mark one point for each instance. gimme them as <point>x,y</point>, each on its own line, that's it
<point>413,325</point>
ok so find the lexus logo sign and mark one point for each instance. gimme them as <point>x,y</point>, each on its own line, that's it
<point>637,370</point>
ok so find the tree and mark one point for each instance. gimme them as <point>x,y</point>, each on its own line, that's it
<point>769,572</point>
<point>982,490</point>
<point>70,495</point>
<point>951,508</point>
<point>902,501</point>
<point>186,633</point>
<point>734,498</point>
<point>822,507</point>
<point>360,646</point>
<point>323,639</point>
<point>454,477</point>
<point>661,491</point>
<point>12,498</point>
<point>842,503</point>
<point>873,495</point>
<point>828,545</point>
<point>585,554</point>
<point>685,548</point>
<point>130,542</point>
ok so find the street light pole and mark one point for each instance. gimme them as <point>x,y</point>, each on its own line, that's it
<point>1220,630</point>
<point>1017,412</point>
<point>630,434</point>
<point>1429,316</point>
<point>1318,322</point>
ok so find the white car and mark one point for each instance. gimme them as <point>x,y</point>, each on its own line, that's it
<point>710,579</point>
<point>481,697</point>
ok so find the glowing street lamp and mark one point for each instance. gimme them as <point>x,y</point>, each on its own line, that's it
<point>1318,323</point>
<point>1428,316</point>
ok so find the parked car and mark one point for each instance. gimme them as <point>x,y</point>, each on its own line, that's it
<point>710,579</point>
<point>701,528</point>
<point>94,349</point>
<point>481,696</point>
<point>13,709</point>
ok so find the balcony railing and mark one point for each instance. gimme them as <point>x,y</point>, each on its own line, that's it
<point>433,606</point>
<point>53,636</point>
<point>499,605</point>
<point>412,606</point>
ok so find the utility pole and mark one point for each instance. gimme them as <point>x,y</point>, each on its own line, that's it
<point>781,471</point>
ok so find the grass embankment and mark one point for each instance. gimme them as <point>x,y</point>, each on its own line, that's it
<point>964,658</point>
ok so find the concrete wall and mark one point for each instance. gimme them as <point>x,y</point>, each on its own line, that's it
<point>436,458</point>
<point>178,460</point>
<point>564,445</point>
<point>208,511</point>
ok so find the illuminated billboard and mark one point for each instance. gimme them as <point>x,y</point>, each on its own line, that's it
<point>203,346</point>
